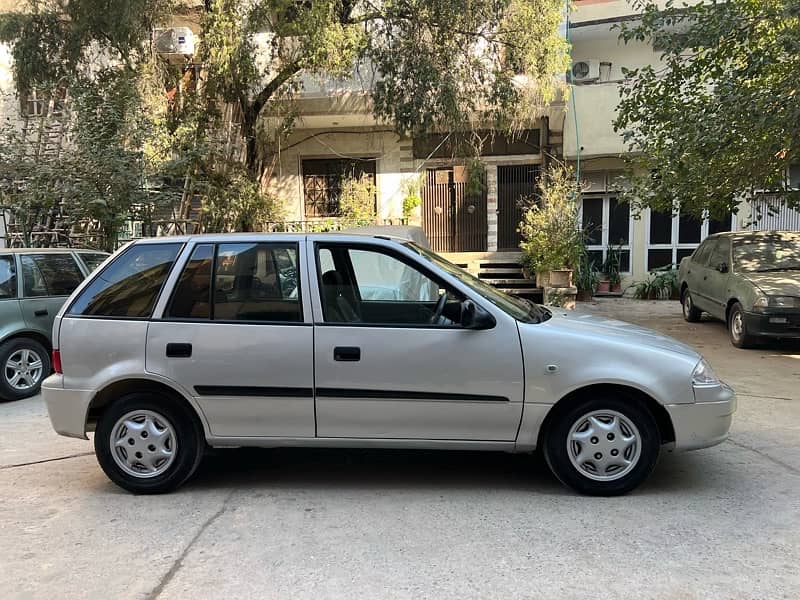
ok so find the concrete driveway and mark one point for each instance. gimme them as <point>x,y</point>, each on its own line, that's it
<point>717,523</point>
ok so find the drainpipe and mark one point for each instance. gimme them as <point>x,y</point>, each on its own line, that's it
<point>574,109</point>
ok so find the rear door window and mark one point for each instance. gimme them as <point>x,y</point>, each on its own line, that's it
<point>8,277</point>
<point>250,282</point>
<point>130,285</point>
<point>49,275</point>
<point>92,260</point>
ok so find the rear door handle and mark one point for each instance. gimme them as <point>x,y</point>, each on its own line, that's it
<point>175,350</point>
<point>346,354</point>
<point>40,313</point>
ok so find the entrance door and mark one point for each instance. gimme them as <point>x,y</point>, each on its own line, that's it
<point>391,360</point>
<point>453,220</point>
<point>514,183</point>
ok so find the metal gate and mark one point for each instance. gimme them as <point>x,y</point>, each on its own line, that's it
<point>513,184</point>
<point>453,220</point>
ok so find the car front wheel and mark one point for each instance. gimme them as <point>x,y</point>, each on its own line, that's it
<point>690,312</point>
<point>602,446</point>
<point>147,444</point>
<point>737,328</point>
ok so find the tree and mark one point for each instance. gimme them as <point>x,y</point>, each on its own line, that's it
<point>433,64</point>
<point>720,119</point>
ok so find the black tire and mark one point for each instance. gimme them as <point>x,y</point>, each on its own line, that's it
<point>740,339</point>
<point>557,453</point>
<point>9,349</point>
<point>691,313</point>
<point>188,444</point>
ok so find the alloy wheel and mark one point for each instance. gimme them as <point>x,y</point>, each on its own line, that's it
<point>23,369</point>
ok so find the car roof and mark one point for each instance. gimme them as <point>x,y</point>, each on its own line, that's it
<point>351,236</point>
<point>743,235</point>
<point>48,250</point>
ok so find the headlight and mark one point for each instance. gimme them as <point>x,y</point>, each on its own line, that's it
<point>784,301</point>
<point>703,374</point>
<point>761,302</point>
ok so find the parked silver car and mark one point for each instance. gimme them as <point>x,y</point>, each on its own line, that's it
<point>281,340</point>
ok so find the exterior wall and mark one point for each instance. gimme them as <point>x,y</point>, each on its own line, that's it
<point>392,154</point>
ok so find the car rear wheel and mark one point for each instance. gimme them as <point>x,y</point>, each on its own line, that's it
<point>737,328</point>
<point>603,445</point>
<point>148,444</point>
<point>690,312</point>
<point>25,364</point>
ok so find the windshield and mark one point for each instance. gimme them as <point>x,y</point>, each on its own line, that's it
<point>520,309</point>
<point>769,252</point>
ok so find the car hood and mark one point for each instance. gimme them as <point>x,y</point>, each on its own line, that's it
<point>627,333</point>
<point>779,283</point>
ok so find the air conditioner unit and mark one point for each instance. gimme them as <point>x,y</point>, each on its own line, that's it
<point>177,40</point>
<point>585,70</point>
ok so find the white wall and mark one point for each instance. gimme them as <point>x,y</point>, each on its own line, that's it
<point>392,154</point>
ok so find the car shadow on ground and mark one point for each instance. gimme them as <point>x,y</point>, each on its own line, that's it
<point>418,470</point>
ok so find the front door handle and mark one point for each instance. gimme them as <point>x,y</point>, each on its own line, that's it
<point>179,350</point>
<point>347,354</point>
<point>40,313</point>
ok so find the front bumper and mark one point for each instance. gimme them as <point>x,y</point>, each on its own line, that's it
<point>67,408</point>
<point>773,323</point>
<point>707,421</point>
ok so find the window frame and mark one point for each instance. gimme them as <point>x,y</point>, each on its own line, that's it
<point>319,317</point>
<point>356,159</point>
<point>215,244</point>
<point>67,314</point>
<point>605,228</point>
<point>17,278</point>
<point>675,244</point>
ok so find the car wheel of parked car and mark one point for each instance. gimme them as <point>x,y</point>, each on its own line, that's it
<point>602,446</point>
<point>148,444</point>
<point>738,328</point>
<point>25,364</point>
<point>690,313</point>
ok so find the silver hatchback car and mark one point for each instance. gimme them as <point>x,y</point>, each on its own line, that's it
<point>336,340</point>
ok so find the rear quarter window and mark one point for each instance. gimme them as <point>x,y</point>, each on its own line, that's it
<point>130,285</point>
<point>92,260</point>
<point>49,275</point>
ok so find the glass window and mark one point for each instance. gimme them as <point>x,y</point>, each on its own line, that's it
<point>619,223</point>
<point>323,180</point>
<point>384,290</point>
<point>92,260</point>
<point>659,258</point>
<point>720,254</point>
<point>256,282</point>
<point>593,220</point>
<point>689,230</point>
<point>660,227</point>
<point>716,226</point>
<point>8,277</point>
<point>682,253</point>
<point>192,296</point>
<point>700,255</point>
<point>129,286</point>
<point>49,275</point>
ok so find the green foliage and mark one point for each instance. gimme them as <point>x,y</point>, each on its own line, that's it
<point>611,264</point>
<point>661,284</point>
<point>412,198</point>
<point>551,237</point>
<point>586,276</point>
<point>358,200</point>
<point>720,118</point>
<point>234,202</point>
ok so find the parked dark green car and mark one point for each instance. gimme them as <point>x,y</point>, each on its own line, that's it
<point>28,305</point>
<point>750,279</point>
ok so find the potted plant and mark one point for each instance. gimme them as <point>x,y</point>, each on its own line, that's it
<point>552,243</point>
<point>586,278</point>
<point>611,268</point>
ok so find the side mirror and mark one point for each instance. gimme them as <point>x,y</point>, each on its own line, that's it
<point>722,267</point>
<point>474,317</point>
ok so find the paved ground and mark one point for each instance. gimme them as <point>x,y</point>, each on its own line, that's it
<point>718,523</point>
